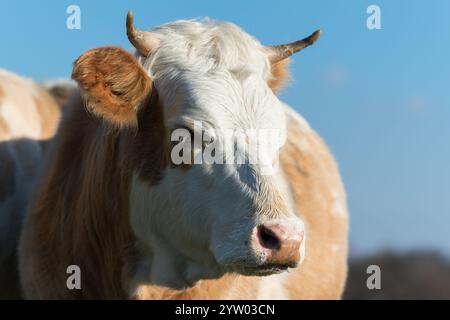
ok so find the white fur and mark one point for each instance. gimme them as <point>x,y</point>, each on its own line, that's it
<point>197,224</point>
<point>272,287</point>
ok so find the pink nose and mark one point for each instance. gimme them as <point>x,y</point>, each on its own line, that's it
<point>281,244</point>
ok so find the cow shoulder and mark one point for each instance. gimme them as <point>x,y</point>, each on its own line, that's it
<point>320,199</point>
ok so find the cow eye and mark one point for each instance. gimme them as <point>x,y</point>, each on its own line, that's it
<point>209,136</point>
<point>189,131</point>
<point>207,139</point>
<point>187,136</point>
<point>200,136</point>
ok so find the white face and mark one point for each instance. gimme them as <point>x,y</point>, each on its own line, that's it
<point>206,219</point>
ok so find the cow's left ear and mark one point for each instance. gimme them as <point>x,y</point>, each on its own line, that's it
<point>113,83</point>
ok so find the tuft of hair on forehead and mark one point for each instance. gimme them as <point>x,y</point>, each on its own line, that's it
<point>204,45</point>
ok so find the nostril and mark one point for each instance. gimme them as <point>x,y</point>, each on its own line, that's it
<point>268,239</point>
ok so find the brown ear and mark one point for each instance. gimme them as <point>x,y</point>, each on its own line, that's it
<point>113,83</point>
<point>280,75</point>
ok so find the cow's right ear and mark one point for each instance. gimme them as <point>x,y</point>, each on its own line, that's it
<point>113,83</point>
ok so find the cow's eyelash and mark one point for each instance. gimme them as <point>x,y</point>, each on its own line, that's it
<point>184,127</point>
<point>192,132</point>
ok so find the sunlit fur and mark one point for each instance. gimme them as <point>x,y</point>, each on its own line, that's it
<point>142,228</point>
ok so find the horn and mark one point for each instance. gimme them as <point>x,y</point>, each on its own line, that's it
<point>283,51</point>
<point>144,42</point>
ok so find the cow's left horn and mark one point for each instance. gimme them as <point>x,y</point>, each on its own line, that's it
<point>144,42</point>
<point>280,52</point>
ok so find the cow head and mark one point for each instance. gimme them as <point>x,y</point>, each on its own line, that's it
<point>191,89</point>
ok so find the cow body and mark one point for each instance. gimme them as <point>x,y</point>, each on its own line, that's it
<point>112,201</point>
<point>28,117</point>
<point>95,233</point>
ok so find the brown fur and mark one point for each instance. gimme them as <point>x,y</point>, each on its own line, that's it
<point>148,147</point>
<point>60,91</point>
<point>29,106</point>
<point>313,176</point>
<point>7,169</point>
<point>113,83</point>
<point>18,92</point>
<point>89,209</point>
<point>3,129</point>
<point>49,113</point>
<point>280,75</point>
<point>86,215</point>
<point>21,92</point>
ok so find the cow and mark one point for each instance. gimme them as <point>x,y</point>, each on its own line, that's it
<point>28,118</point>
<point>60,89</point>
<point>114,215</point>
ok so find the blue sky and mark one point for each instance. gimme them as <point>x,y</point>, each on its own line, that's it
<point>380,98</point>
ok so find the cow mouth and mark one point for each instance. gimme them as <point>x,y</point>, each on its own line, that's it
<point>264,270</point>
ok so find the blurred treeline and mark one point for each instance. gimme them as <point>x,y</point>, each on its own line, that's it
<point>413,275</point>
